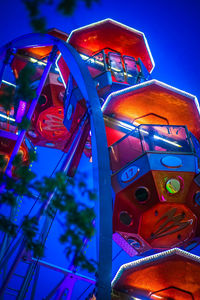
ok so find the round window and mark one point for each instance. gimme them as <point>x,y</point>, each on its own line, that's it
<point>173,186</point>
<point>142,194</point>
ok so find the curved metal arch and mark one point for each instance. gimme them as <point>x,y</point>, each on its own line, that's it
<point>101,169</point>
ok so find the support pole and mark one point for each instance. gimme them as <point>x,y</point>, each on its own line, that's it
<point>4,64</point>
<point>101,167</point>
<point>64,168</point>
<point>22,249</point>
<point>32,108</point>
<point>15,150</point>
<point>12,269</point>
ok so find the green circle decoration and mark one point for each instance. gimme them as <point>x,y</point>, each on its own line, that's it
<point>173,186</point>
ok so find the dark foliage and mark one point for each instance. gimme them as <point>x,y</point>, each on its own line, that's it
<point>7,98</point>
<point>78,217</point>
<point>25,91</point>
<point>70,194</point>
<point>65,7</point>
<point>7,226</point>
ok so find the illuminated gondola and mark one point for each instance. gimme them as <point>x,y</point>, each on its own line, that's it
<point>153,132</point>
<point>172,274</point>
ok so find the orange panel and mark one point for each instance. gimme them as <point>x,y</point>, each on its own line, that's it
<point>36,52</point>
<point>50,124</point>
<point>185,179</point>
<point>6,148</point>
<point>194,206</point>
<point>154,98</point>
<point>155,278</point>
<point>58,33</point>
<point>113,35</point>
<point>163,219</point>
<point>168,276</point>
<point>126,201</point>
<point>167,225</point>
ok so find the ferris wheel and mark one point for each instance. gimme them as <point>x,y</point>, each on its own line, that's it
<point>95,95</point>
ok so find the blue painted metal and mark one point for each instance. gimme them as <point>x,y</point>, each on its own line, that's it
<point>188,165</point>
<point>44,232</point>
<point>171,161</point>
<point>63,270</point>
<point>141,163</point>
<point>101,172</point>
<point>8,135</point>
<point>7,53</point>
<point>17,259</point>
<point>31,109</point>
<point>197,198</point>
<point>68,101</point>
<point>144,74</point>
<point>153,161</point>
<point>99,152</point>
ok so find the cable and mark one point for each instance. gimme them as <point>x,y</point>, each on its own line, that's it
<point>120,251</point>
<point>79,297</point>
<point>19,228</point>
<point>57,164</point>
<point>52,173</point>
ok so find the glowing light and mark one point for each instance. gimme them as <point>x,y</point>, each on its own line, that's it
<point>152,258</point>
<point>84,57</point>
<point>150,82</point>
<point>39,62</point>
<point>6,117</point>
<point>126,125</point>
<point>20,111</point>
<point>8,83</point>
<point>121,25</point>
<point>58,69</point>
<point>163,199</point>
<point>33,60</point>
<point>133,127</point>
<point>166,141</point>
<point>148,50</point>
<point>156,297</point>
<point>97,62</point>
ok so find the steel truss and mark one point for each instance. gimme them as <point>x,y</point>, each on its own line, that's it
<point>101,173</point>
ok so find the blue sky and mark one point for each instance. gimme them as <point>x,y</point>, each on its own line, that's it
<point>172,29</point>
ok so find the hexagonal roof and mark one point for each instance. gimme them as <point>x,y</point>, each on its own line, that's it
<point>154,102</point>
<point>153,274</point>
<point>114,35</point>
<point>40,52</point>
<point>58,33</point>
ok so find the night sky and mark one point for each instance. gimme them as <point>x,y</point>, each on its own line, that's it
<point>172,29</point>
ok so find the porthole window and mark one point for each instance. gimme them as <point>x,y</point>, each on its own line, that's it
<point>142,194</point>
<point>125,218</point>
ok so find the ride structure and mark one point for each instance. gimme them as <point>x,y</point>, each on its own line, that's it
<point>95,95</point>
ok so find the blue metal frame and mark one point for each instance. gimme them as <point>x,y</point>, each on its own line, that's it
<point>101,169</point>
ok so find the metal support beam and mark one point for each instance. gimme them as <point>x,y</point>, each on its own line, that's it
<point>8,53</point>
<point>62,270</point>
<point>22,248</point>
<point>101,168</point>
<point>64,283</point>
<point>19,256</point>
<point>30,112</point>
